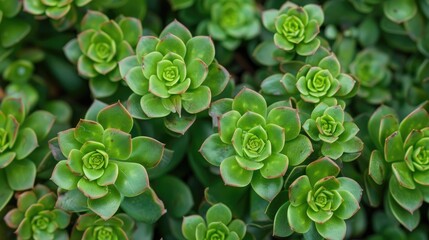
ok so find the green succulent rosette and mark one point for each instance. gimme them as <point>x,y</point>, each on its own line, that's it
<point>218,225</point>
<point>36,216</point>
<point>255,144</point>
<point>54,9</point>
<point>99,47</point>
<point>232,21</point>
<point>401,158</point>
<point>320,79</point>
<point>322,199</point>
<point>103,162</point>
<point>62,13</point>
<point>370,67</point>
<point>20,135</point>
<point>336,130</point>
<point>295,28</point>
<point>173,77</point>
<point>89,226</point>
<point>12,29</point>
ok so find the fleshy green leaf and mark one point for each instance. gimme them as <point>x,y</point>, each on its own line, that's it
<point>400,10</point>
<point>146,151</point>
<point>15,172</point>
<point>349,206</point>
<point>146,207</point>
<point>88,131</point>
<point>178,29</point>
<point>217,78</point>
<point>118,143</point>
<point>63,177</point>
<point>266,188</point>
<point>249,100</point>
<point>315,12</point>
<point>281,224</point>
<point>152,106</point>
<point>409,199</point>
<point>219,213</point>
<point>298,150</point>
<point>306,49</point>
<point>408,220</point>
<point>234,175</point>
<point>321,168</point>
<point>106,206</point>
<point>286,118</point>
<point>215,151</point>
<point>115,116</point>
<point>189,226</point>
<point>132,179</point>
<point>403,175</point>
<point>91,189</point>
<point>298,190</point>
<point>200,47</point>
<point>377,167</point>
<point>171,43</point>
<point>25,143</point>
<point>195,101</point>
<point>298,219</point>
<point>132,29</point>
<point>275,166</point>
<point>334,228</point>
<point>93,20</point>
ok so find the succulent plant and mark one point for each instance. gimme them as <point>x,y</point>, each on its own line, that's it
<point>255,144</point>
<point>232,21</point>
<point>89,226</point>
<point>319,79</point>
<point>172,72</point>
<point>55,9</point>
<point>36,216</point>
<point>295,28</point>
<point>99,47</point>
<point>218,225</point>
<point>402,159</point>
<point>320,198</point>
<point>336,130</point>
<point>103,162</point>
<point>20,135</point>
<point>371,68</point>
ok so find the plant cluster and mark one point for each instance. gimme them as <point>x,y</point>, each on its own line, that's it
<point>214,119</point>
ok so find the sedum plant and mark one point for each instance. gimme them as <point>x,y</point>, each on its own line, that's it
<point>322,199</point>
<point>20,135</point>
<point>103,162</point>
<point>100,46</point>
<point>36,216</point>
<point>401,158</point>
<point>232,21</point>
<point>173,77</point>
<point>89,226</point>
<point>255,143</point>
<point>295,28</point>
<point>336,131</point>
<point>52,9</point>
<point>218,225</point>
<point>320,79</point>
<point>371,68</point>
